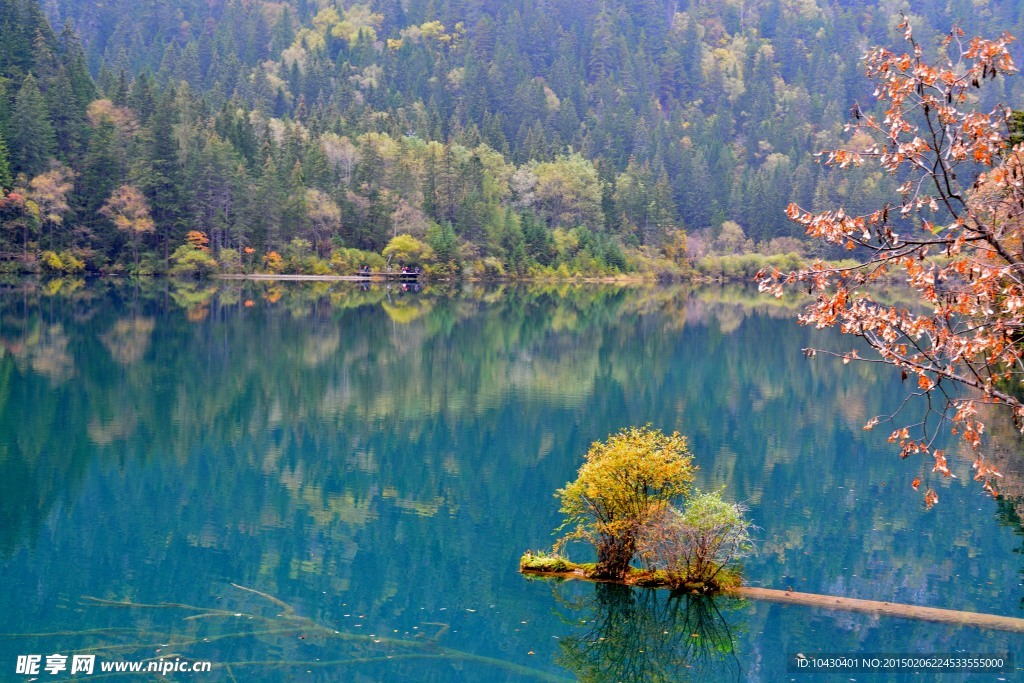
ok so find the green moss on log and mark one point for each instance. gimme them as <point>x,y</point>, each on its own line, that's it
<point>555,566</point>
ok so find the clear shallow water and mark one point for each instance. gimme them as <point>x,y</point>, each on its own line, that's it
<point>378,460</point>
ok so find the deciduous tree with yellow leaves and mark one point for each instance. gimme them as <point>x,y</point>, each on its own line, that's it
<point>624,482</point>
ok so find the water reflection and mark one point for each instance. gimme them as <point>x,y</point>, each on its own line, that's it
<point>632,635</point>
<point>389,454</point>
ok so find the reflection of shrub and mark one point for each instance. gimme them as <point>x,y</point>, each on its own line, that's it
<point>405,312</point>
<point>698,545</point>
<point>628,635</point>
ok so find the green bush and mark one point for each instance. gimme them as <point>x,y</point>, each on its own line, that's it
<point>746,266</point>
<point>149,264</point>
<point>188,261</point>
<point>64,263</point>
<point>346,261</point>
<point>447,270</point>
<point>698,545</point>
<point>51,262</point>
<point>230,261</point>
<point>407,249</point>
<point>444,242</point>
<point>314,265</point>
<point>490,268</point>
<point>541,561</point>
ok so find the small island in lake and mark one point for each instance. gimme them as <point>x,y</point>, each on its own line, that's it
<point>621,502</point>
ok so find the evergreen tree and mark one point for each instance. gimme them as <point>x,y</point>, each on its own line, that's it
<point>32,138</point>
<point>66,116</point>
<point>267,206</point>
<point>74,62</point>
<point>158,171</point>
<point>101,172</point>
<point>693,115</point>
<point>141,97</point>
<point>6,178</point>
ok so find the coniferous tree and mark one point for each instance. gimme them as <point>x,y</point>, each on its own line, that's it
<point>66,116</point>
<point>6,178</point>
<point>31,134</point>
<point>102,171</point>
<point>158,171</point>
<point>705,114</point>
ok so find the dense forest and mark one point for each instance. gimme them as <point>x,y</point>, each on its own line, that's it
<point>531,137</point>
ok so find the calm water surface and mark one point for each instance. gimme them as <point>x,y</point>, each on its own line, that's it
<point>320,483</point>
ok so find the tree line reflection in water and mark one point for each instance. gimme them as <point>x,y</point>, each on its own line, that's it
<point>397,450</point>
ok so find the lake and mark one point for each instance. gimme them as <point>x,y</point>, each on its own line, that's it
<point>320,482</point>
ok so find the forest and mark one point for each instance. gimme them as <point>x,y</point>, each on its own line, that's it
<point>530,138</point>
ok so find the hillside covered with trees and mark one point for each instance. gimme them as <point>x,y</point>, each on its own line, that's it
<point>529,137</point>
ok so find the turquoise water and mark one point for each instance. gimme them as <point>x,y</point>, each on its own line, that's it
<point>373,462</point>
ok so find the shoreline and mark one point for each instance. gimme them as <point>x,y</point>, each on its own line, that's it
<point>382,277</point>
<point>316,278</point>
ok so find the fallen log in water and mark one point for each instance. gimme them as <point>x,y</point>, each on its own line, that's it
<point>891,609</point>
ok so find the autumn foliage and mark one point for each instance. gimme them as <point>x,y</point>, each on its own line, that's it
<point>128,208</point>
<point>273,262</point>
<point>624,482</point>
<point>198,240</point>
<point>954,236</point>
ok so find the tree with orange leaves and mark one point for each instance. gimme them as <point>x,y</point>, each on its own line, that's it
<point>198,240</point>
<point>955,236</point>
<point>128,208</point>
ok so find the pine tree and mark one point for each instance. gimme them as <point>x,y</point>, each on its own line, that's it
<point>32,138</point>
<point>44,61</point>
<point>158,172</point>
<point>66,116</point>
<point>140,97</point>
<point>73,60</point>
<point>602,48</point>
<point>6,179</point>
<point>294,214</point>
<point>267,204</point>
<point>119,94</point>
<point>101,172</point>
